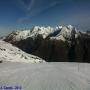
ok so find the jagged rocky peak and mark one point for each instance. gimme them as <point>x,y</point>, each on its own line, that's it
<point>59,27</point>
<point>33,33</point>
<point>65,33</point>
<point>70,27</point>
<point>58,33</point>
<point>68,31</point>
<point>44,31</point>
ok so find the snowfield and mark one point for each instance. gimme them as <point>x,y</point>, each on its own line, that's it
<point>45,76</point>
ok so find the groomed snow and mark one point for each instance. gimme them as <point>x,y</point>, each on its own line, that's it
<point>46,76</point>
<point>8,52</point>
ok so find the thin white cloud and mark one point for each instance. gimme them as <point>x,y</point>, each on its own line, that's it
<point>24,6</point>
<point>36,11</point>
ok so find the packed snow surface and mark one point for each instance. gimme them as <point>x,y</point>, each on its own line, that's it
<point>8,52</point>
<point>45,76</point>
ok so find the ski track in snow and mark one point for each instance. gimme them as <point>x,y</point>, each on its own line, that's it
<point>46,76</point>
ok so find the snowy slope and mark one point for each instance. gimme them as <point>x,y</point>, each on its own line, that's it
<point>13,54</point>
<point>46,76</point>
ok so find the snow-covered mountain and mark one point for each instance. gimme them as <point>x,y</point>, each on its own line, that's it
<point>62,43</point>
<point>66,33</point>
<point>8,52</point>
<point>33,33</point>
<point>43,31</point>
<point>58,33</point>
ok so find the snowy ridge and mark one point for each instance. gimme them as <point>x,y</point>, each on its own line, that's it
<point>64,33</point>
<point>44,31</point>
<point>10,53</point>
<point>18,35</point>
<point>34,32</point>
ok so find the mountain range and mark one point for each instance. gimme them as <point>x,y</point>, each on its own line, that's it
<point>59,44</point>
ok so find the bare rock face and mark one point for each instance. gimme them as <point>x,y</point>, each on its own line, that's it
<point>63,43</point>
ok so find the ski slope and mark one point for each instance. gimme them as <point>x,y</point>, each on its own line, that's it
<point>46,76</point>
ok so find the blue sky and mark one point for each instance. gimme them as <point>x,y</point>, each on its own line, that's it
<point>20,14</point>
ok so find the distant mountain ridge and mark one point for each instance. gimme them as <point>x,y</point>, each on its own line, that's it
<point>63,43</point>
<point>63,32</point>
